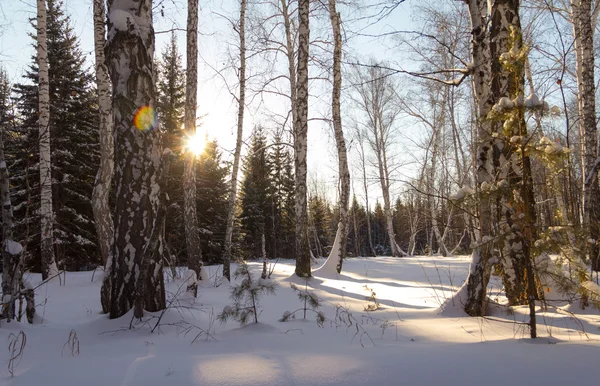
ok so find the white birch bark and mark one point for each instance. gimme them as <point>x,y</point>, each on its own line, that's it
<point>472,297</point>
<point>100,195</point>
<point>190,219</point>
<point>12,263</point>
<point>138,163</point>
<point>49,267</point>
<point>586,98</point>
<point>300,141</point>
<point>338,250</point>
<point>241,100</point>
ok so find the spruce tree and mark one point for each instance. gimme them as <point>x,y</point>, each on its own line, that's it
<point>75,152</point>
<point>320,221</point>
<point>170,108</point>
<point>256,197</point>
<point>212,202</point>
<point>281,163</point>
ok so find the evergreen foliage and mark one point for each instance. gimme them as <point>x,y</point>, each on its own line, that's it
<point>212,202</point>
<point>170,88</point>
<point>246,296</point>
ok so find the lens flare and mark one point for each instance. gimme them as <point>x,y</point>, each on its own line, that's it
<point>145,118</point>
<point>196,144</point>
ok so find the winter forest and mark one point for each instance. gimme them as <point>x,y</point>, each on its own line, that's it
<point>299,192</point>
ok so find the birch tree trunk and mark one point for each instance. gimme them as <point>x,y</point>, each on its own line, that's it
<point>300,142</point>
<point>49,268</point>
<point>138,153</point>
<point>100,195</point>
<point>473,296</point>
<point>366,190</point>
<point>586,98</point>
<point>338,251</point>
<point>12,263</point>
<point>192,233</point>
<point>241,100</point>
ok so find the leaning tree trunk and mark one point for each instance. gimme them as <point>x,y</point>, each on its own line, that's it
<point>49,268</point>
<point>100,195</point>
<point>584,50</point>
<point>190,218</point>
<point>138,153</point>
<point>338,251</point>
<point>300,142</point>
<point>241,100</point>
<point>12,262</point>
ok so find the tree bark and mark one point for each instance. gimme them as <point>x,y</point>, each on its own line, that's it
<point>12,263</point>
<point>300,142</point>
<point>49,268</point>
<point>238,145</point>
<point>475,301</point>
<point>586,98</point>
<point>138,159</point>
<point>100,195</point>
<point>192,232</point>
<point>338,251</point>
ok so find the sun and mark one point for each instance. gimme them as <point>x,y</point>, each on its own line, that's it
<point>196,144</point>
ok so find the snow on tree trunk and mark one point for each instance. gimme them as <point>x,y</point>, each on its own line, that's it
<point>338,251</point>
<point>100,195</point>
<point>300,142</point>
<point>49,268</point>
<point>516,211</point>
<point>138,153</point>
<point>190,219</point>
<point>476,284</point>
<point>586,98</point>
<point>12,263</point>
<point>241,100</point>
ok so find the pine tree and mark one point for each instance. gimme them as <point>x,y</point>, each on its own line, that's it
<point>212,202</point>
<point>283,224</point>
<point>256,191</point>
<point>74,127</point>
<point>319,220</point>
<point>170,109</point>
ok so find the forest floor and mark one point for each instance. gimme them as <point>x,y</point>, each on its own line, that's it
<point>404,342</point>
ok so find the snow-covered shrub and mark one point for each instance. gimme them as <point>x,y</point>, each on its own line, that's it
<point>245,296</point>
<point>311,303</point>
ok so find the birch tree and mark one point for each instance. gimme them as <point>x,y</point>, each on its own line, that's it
<point>134,274</point>
<point>376,98</point>
<point>100,195</point>
<point>338,251</point>
<point>241,100</point>
<point>583,32</point>
<point>190,219</point>
<point>300,141</point>
<point>49,267</point>
<point>12,262</point>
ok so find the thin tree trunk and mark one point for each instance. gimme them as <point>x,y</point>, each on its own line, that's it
<point>338,251</point>
<point>190,219</point>
<point>366,190</point>
<point>138,160</point>
<point>584,49</point>
<point>100,195</point>
<point>49,268</point>
<point>300,142</point>
<point>238,145</point>
<point>12,263</point>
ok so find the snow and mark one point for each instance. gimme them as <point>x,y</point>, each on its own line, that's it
<point>13,247</point>
<point>406,342</point>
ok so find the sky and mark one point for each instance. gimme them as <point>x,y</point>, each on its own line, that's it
<point>215,104</point>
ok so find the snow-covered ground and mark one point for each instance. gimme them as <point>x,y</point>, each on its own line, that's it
<point>406,342</point>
